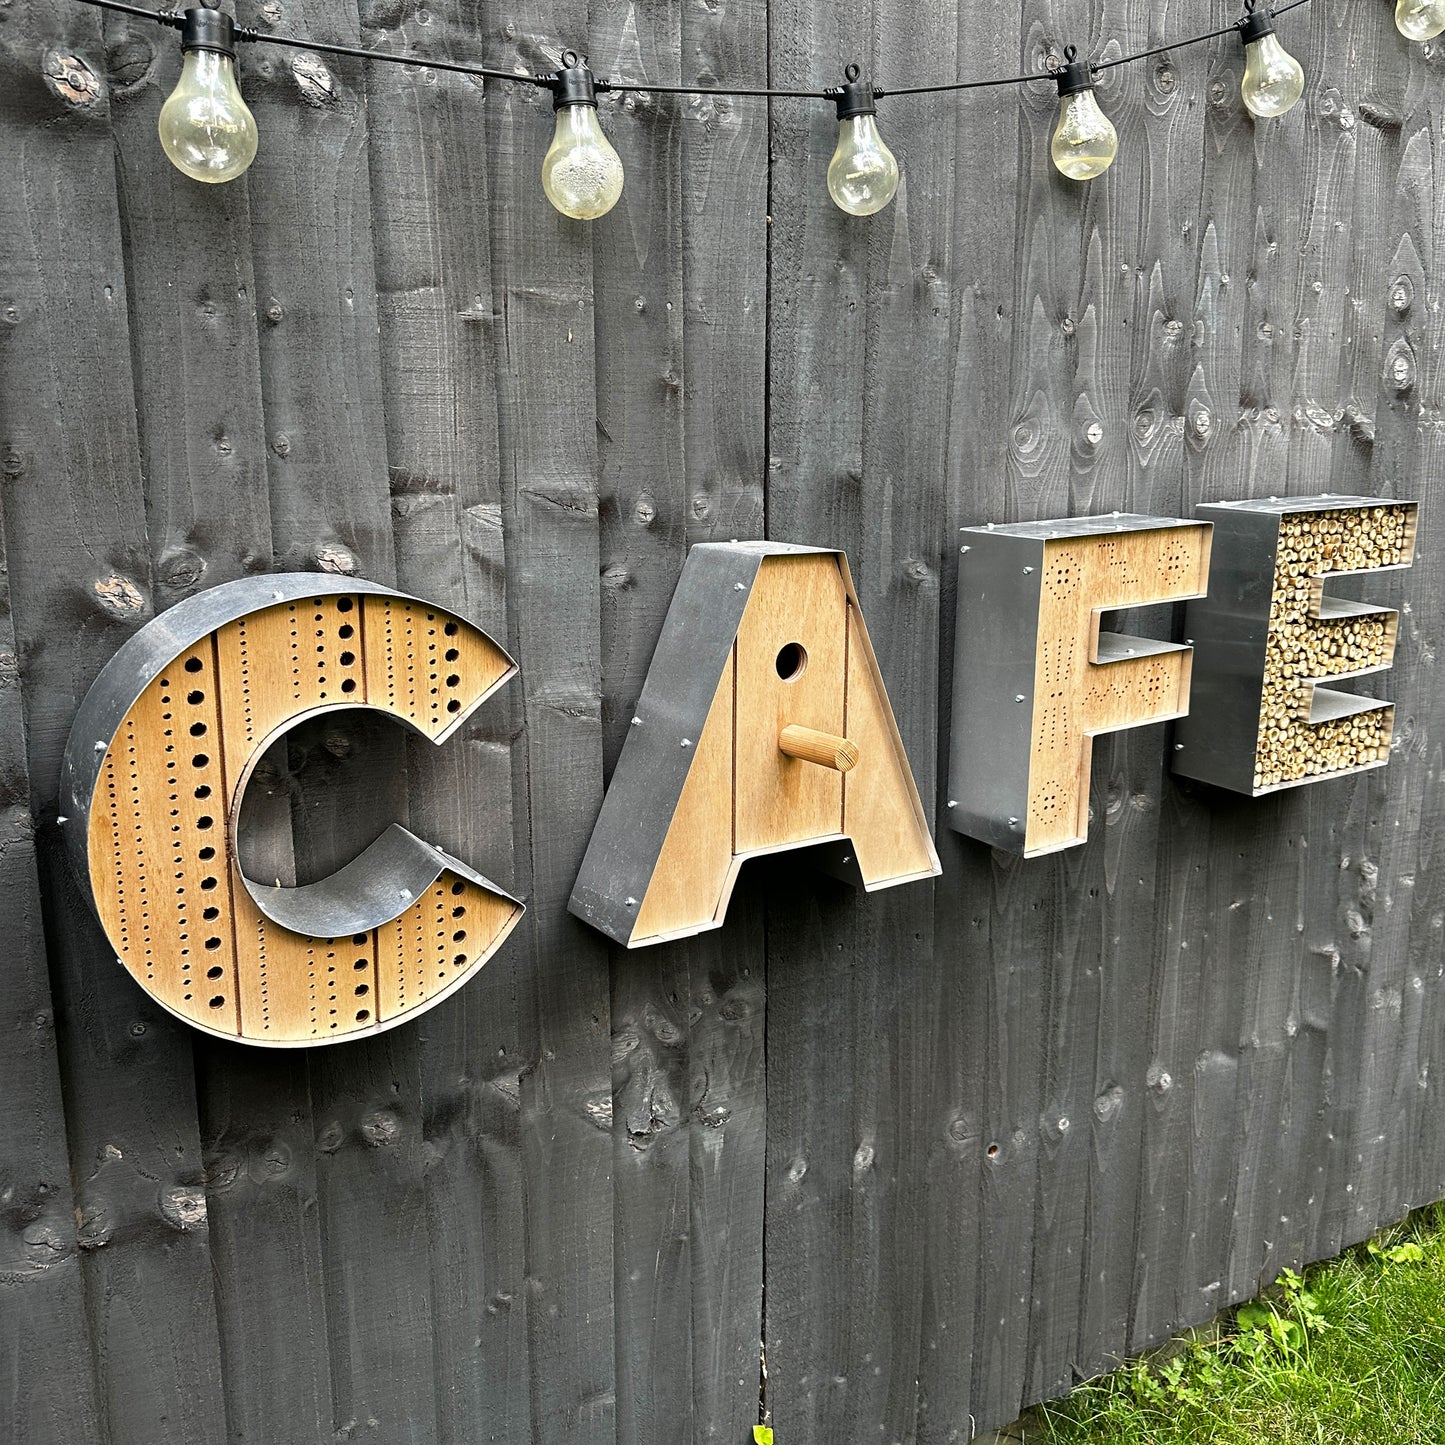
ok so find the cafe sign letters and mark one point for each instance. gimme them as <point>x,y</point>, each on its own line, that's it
<point>763,726</point>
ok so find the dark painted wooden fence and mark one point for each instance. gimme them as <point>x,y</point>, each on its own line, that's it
<point>938,1151</point>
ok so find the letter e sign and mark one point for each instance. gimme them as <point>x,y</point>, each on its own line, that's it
<point>151,787</point>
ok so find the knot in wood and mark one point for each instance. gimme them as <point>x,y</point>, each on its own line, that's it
<point>380,1127</point>
<point>1399,373</point>
<point>183,1207</point>
<point>313,80</point>
<point>118,596</point>
<point>71,79</point>
<point>335,559</point>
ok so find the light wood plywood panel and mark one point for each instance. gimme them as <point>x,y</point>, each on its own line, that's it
<point>697,855</point>
<point>163,830</point>
<point>791,668</point>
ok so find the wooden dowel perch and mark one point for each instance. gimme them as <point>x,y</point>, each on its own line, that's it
<point>811,746</point>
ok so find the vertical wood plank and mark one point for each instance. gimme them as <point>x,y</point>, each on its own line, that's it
<point>543,274</point>
<point>195,351</point>
<point>638,327</point>
<point>439,322</point>
<point>688,1127</point>
<point>80,582</point>
<point>723,208</point>
<point>42,1298</point>
<point>312,229</point>
<point>852,465</point>
<point>988,158</point>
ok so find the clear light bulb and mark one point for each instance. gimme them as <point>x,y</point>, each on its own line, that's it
<point>863,174</point>
<point>206,129</point>
<point>1273,79</point>
<point>1085,142</point>
<point>1420,19</point>
<point>581,173</point>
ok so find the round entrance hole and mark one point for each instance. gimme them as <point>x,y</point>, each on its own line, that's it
<point>792,661</point>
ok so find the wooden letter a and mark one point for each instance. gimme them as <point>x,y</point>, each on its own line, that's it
<point>763,725</point>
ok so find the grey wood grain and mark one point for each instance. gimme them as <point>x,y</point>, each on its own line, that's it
<point>42,1300</point>
<point>438,315</point>
<point>203,447</point>
<point>643,489</point>
<point>849,1024</point>
<point>550,475</point>
<point>679,462</point>
<point>79,583</point>
<point>321,381</point>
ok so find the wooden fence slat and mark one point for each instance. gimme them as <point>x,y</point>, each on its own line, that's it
<point>42,1299</point>
<point>312,229</point>
<point>686,1023</point>
<point>1161,134</point>
<point>203,452</point>
<point>638,324</point>
<point>438,314</point>
<point>543,279</point>
<point>723,210</point>
<point>974,467</point>
<point>80,582</point>
<point>853,305</point>
<point>1407,448</point>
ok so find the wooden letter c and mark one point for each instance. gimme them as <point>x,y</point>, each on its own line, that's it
<point>154,771</point>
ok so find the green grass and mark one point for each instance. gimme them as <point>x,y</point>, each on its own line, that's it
<point>1353,1352</point>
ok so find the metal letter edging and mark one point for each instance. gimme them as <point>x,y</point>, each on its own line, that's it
<point>151,786</point>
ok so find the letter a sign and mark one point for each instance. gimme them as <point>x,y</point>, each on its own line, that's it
<point>764,725</point>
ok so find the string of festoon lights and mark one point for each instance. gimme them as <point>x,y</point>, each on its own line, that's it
<point>208,131</point>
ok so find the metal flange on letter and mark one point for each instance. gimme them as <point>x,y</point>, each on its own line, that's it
<point>1267,638</point>
<point>1035,678</point>
<point>151,788</point>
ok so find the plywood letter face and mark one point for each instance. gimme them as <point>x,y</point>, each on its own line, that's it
<point>1268,637</point>
<point>154,774</point>
<point>1035,679</point>
<point>764,725</point>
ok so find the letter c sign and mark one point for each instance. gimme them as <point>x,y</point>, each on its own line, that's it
<point>151,786</point>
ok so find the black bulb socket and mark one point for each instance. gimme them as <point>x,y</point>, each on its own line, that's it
<point>205,28</point>
<point>855,97</point>
<point>574,84</point>
<point>1256,25</point>
<point>1075,77</point>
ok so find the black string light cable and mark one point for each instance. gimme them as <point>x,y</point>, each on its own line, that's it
<point>207,130</point>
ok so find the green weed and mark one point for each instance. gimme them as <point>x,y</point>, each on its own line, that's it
<point>1353,1351</point>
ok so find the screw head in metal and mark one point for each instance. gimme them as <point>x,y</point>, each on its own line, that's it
<point>1018,697</point>
<point>1027,570</point>
<point>687,742</point>
<point>637,722</point>
<point>1178,747</point>
<point>953,802</point>
<point>630,902</point>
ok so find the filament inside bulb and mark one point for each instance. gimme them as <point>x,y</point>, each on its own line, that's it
<point>581,172</point>
<point>1085,142</point>
<point>205,126</point>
